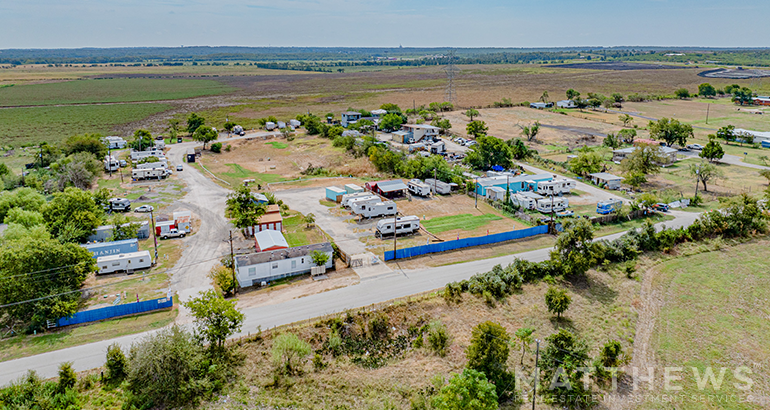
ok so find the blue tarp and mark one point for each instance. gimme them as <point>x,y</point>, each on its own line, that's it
<point>465,243</point>
<point>115,311</point>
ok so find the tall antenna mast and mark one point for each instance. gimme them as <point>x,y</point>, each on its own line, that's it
<point>451,71</point>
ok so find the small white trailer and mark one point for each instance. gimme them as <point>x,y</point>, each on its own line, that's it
<point>526,200</point>
<point>150,152</point>
<point>379,209</point>
<point>559,204</point>
<point>404,225</point>
<point>124,262</point>
<point>114,142</point>
<point>161,163</point>
<point>359,204</point>
<point>556,187</point>
<point>418,187</point>
<point>440,187</point>
<point>111,163</point>
<point>495,193</point>
<point>270,125</point>
<point>347,198</point>
<point>151,173</point>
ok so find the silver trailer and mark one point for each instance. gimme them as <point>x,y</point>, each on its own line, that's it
<point>404,225</point>
<point>151,173</point>
<point>379,209</point>
<point>358,205</point>
<point>559,204</point>
<point>418,187</point>
<point>349,197</point>
<point>124,262</point>
<point>440,187</point>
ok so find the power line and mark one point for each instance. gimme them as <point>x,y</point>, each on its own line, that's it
<point>451,71</point>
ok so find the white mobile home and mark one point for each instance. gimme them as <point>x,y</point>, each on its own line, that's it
<point>379,209</point>
<point>124,262</point>
<point>496,193</point>
<point>440,187</point>
<point>404,225</point>
<point>418,187</point>
<point>559,204</point>
<point>358,205</point>
<point>346,199</point>
<point>353,189</point>
<point>604,179</point>
<point>115,142</point>
<point>258,267</point>
<point>556,187</point>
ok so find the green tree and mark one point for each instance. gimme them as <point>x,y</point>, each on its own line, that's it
<point>544,97</point>
<point>564,361</point>
<point>470,113</point>
<point>572,94</point>
<point>216,147</point>
<point>194,121</point>
<point>617,97</point>
<point>586,162</point>
<point>610,357</point>
<point>726,133</point>
<point>116,364</point>
<point>72,215</point>
<point>79,170</point>
<point>216,319</point>
<point>438,338</point>
<point>123,228</point>
<point>391,108</point>
<point>742,95</point>
<point>15,232</point>
<point>712,151</point>
<point>205,135</point>
<point>705,172</point>
<point>242,207</point>
<point>487,152</point>
<point>707,90</point>
<point>531,132</point>
<point>229,125</point>
<point>644,160</point>
<point>142,139</point>
<point>627,135</point>
<point>671,131</point>
<point>46,155</point>
<point>25,218</point>
<point>42,273</point>
<point>611,141</point>
<point>442,123</point>
<point>477,128</point>
<point>391,122</point>
<point>91,143</point>
<point>173,128</point>
<point>309,220</point>
<point>319,258</point>
<point>222,276</point>
<point>557,301</point>
<point>25,198</point>
<point>312,124</point>
<point>287,350</point>
<point>524,337</point>
<point>67,377</point>
<point>488,353</point>
<point>573,252</point>
<point>626,119</point>
<point>468,390</point>
<point>682,93</point>
<point>519,150</point>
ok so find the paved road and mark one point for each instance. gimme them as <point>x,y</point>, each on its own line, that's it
<point>727,159</point>
<point>367,292</point>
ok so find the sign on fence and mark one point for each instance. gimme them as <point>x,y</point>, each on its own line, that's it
<point>465,243</point>
<point>115,311</point>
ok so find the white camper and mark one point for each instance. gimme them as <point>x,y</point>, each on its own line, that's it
<point>148,173</point>
<point>379,209</point>
<point>440,187</point>
<point>115,142</point>
<point>161,163</point>
<point>526,200</point>
<point>111,163</point>
<point>358,205</point>
<point>418,187</point>
<point>347,198</point>
<point>270,125</point>
<point>559,204</point>
<point>124,262</point>
<point>404,225</point>
<point>556,187</point>
<point>238,130</point>
<point>150,152</point>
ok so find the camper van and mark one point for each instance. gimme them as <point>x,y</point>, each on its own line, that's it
<point>359,204</point>
<point>111,164</point>
<point>151,173</point>
<point>609,206</point>
<point>379,209</point>
<point>404,225</point>
<point>418,187</point>
<point>119,204</point>
<point>124,262</point>
<point>559,204</point>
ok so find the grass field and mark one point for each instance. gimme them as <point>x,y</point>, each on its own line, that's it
<point>278,144</point>
<point>239,173</point>
<point>466,222</point>
<point>21,126</point>
<point>109,90</point>
<point>714,313</point>
<point>297,233</point>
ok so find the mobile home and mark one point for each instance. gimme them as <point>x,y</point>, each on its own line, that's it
<point>379,209</point>
<point>418,187</point>
<point>559,204</point>
<point>99,249</point>
<point>353,189</point>
<point>404,225</point>
<point>526,200</point>
<point>124,262</point>
<point>258,267</point>
<point>496,193</point>
<point>115,142</point>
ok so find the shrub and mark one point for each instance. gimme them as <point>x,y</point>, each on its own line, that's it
<point>379,327</point>
<point>67,377</point>
<point>468,390</point>
<point>117,364</point>
<point>288,350</point>
<point>488,354</point>
<point>438,338</point>
<point>216,147</point>
<point>557,301</point>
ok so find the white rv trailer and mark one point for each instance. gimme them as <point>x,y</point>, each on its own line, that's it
<point>150,152</point>
<point>440,187</point>
<point>379,209</point>
<point>347,198</point>
<point>358,205</point>
<point>404,225</point>
<point>559,204</point>
<point>526,200</point>
<point>270,125</point>
<point>124,262</point>
<point>161,163</point>
<point>556,187</point>
<point>115,142</point>
<point>418,187</point>
<point>111,163</point>
<point>151,173</point>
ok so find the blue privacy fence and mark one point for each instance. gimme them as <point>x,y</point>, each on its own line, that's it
<point>465,243</point>
<point>115,311</point>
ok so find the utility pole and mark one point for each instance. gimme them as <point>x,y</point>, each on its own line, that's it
<point>707,112</point>
<point>534,383</point>
<point>232,264</point>
<point>395,220</point>
<point>476,194</point>
<point>697,180</point>
<point>109,160</point>
<point>434,181</point>
<point>154,236</point>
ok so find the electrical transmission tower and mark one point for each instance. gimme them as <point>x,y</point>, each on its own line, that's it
<point>451,71</point>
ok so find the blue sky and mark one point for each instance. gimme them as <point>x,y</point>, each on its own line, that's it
<point>383,23</point>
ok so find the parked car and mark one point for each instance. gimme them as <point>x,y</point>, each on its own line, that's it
<point>122,163</point>
<point>180,167</point>
<point>695,146</point>
<point>660,207</point>
<point>173,233</point>
<point>568,212</point>
<point>144,208</point>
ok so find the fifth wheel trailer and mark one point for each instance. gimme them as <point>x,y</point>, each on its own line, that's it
<point>124,262</point>
<point>404,225</point>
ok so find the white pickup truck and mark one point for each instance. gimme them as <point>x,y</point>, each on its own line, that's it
<point>173,233</point>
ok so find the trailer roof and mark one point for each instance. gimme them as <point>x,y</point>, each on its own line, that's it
<point>269,256</point>
<point>110,258</point>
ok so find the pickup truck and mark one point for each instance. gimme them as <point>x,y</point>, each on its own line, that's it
<point>173,233</point>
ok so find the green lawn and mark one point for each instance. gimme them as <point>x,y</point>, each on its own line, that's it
<point>109,90</point>
<point>278,144</point>
<point>239,173</point>
<point>297,233</point>
<point>714,313</point>
<point>22,126</point>
<point>466,222</point>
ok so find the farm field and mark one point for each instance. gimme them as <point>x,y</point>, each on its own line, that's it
<point>23,126</point>
<point>719,323</point>
<point>736,180</point>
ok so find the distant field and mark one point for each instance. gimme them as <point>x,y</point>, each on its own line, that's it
<point>108,90</point>
<point>21,126</point>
